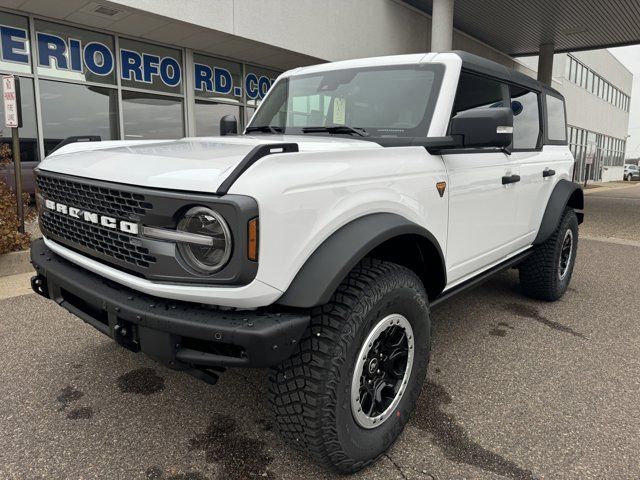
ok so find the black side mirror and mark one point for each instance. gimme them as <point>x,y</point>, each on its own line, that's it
<point>484,127</point>
<point>228,125</point>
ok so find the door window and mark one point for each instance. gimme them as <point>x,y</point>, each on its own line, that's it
<point>526,118</point>
<point>476,92</point>
<point>556,122</point>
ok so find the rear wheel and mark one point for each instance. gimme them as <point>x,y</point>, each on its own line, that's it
<point>348,391</point>
<point>546,273</point>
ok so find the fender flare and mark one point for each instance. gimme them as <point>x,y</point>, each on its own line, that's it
<point>324,270</point>
<point>564,193</point>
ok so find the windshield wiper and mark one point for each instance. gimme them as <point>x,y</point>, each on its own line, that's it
<point>265,129</point>
<point>337,129</point>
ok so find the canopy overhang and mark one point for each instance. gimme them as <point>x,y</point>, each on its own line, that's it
<point>521,27</point>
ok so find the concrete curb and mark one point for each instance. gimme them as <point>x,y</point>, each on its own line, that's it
<point>603,189</point>
<point>13,263</point>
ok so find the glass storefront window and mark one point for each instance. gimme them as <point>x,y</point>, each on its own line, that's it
<point>257,82</point>
<point>217,79</point>
<point>71,109</point>
<point>29,153</point>
<point>29,131</point>
<point>14,54</point>
<point>249,112</point>
<point>81,77</point>
<point>208,115</point>
<point>75,54</point>
<point>150,67</point>
<point>151,116</point>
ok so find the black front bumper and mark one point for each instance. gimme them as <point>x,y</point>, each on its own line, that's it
<point>181,335</point>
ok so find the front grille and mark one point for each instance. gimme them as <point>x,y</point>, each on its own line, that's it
<point>103,240</point>
<point>107,201</point>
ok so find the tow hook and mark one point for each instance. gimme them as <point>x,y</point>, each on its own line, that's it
<point>126,334</point>
<point>39,285</point>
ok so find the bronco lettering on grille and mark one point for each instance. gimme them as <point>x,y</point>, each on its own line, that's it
<point>108,222</point>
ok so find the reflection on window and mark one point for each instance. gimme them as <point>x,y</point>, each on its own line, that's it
<point>70,110</point>
<point>477,92</point>
<point>208,117</point>
<point>526,118</point>
<point>28,132</point>
<point>151,116</point>
<point>248,114</point>
<point>557,128</point>
<point>361,98</point>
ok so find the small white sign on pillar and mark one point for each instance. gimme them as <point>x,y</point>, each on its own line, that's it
<point>11,112</point>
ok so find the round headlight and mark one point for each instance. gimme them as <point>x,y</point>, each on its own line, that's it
<point>205,256</point>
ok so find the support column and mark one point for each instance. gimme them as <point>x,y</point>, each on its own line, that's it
<point>442,26</point>
<point>545,63</point>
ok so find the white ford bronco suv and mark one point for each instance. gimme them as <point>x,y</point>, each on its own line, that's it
<point>360,194</point>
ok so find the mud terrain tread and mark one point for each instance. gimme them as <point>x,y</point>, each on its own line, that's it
<point>538,277</point>
<point>303,405</point>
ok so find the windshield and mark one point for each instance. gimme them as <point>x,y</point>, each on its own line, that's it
<point>373,102</point>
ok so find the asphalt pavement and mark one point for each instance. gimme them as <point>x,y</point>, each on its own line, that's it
<point>516,388</point>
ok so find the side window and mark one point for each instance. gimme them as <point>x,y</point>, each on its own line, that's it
<point>526,118</point>
<point>478,92</point>
<point>556,122</point>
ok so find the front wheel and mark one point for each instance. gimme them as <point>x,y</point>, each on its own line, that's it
<point>348,391</point>
<point>546,273</point>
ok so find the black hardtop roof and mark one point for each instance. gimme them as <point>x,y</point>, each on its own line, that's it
<point>475,63</point>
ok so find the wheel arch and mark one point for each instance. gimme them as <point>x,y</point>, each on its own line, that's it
<point>385,236</point>
<point>565,194</point>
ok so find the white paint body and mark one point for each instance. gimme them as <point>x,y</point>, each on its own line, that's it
<point>304,197</point>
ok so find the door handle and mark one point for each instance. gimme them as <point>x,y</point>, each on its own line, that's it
<point>510,179</point>
<point>548,173</point>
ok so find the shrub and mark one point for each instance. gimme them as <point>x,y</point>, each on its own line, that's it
<point>10,238</point>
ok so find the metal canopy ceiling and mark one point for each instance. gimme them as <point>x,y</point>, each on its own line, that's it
<point>519,27</point>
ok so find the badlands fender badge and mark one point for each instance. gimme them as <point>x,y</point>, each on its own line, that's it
<point>441,186</point>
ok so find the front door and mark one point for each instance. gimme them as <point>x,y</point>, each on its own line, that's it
<point>483,190</point>
<point>482,211</point>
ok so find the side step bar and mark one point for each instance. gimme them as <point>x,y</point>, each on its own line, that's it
<point>480,279</point>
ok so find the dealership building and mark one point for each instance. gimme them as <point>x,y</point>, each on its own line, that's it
<point>152,69</point>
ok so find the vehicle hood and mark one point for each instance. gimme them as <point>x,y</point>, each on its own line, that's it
<point>192,164</point>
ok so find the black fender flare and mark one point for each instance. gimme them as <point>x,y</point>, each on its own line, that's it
<point>564,193</point>
<point>321,274</point>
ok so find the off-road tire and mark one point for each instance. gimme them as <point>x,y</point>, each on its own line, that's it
<point>310,392</point>
<point>539,277</point>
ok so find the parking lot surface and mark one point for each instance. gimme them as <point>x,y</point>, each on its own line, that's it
<point>516,388</point>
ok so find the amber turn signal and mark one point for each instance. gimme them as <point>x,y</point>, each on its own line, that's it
<point>252,250</point>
